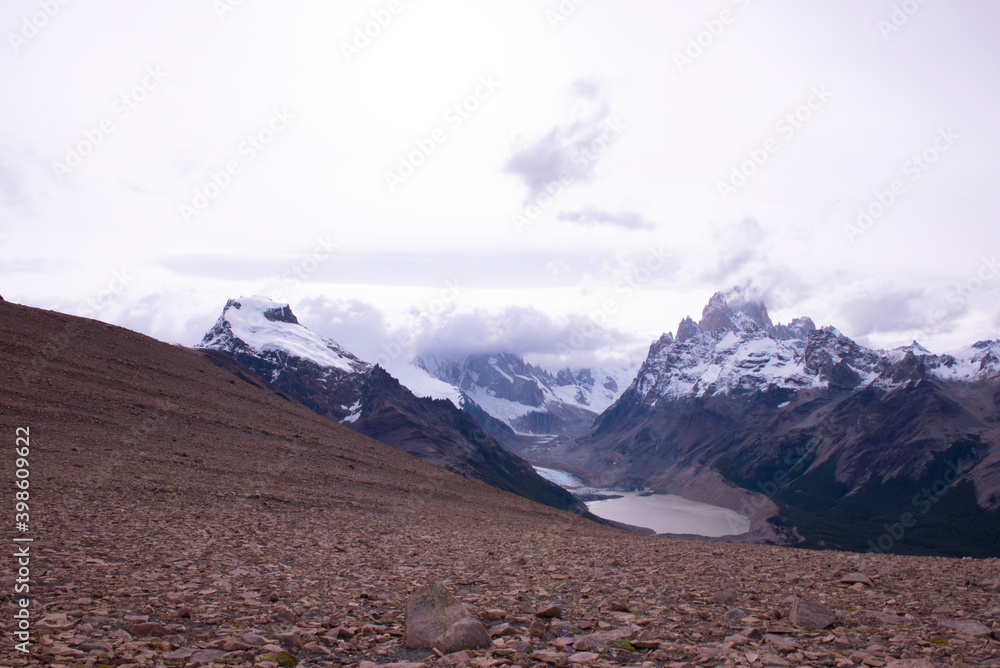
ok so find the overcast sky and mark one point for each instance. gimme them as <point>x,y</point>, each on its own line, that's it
<point>435,174</point>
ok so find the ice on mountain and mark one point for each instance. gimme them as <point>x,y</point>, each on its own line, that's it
<point>263,325</point>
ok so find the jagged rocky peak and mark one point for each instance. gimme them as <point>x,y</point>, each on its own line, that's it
<point>742,309</point>
<point>271,310</point>
<point>583,378</point>
<point>990,350</point>
<point>797,330</point>
<point>738,310</point>
<point>687,329</point>
<point>565,377</point>
<point>259,327</point>
<point>665,341</point>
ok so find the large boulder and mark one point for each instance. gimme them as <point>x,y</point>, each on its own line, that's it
<point>808,615</point>
<point>435,618</point>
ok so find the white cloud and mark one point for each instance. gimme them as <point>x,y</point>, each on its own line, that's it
<point>322,175</point>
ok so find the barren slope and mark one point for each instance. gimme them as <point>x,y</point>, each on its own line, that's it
<point>164,488</point>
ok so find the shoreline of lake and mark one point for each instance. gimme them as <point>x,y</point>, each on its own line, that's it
<point>661,513</point>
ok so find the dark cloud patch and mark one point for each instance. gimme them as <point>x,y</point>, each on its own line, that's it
<point>590,216</point>
<point>586,88</point>
<point>568,151</point>
<point>10,186</point>
<point>365,330</point>
<point>522,330</point>
<point>182,315</point>
<point>358,326</point>
<point>22,174</point>
<point>884,311</point>
<point>738,248</point>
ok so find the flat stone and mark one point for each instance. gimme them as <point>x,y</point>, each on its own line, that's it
<point>887,618</point>
<point>252,639</point>
<point>148,629</point>
<point>284,615</point>
<point>503,629</point>
<point>725,596</point>
<point>204,657</point>
<point>538,628</point>
<point>584,657</point>
<point>549,610</point>
<point>549,657</point>
<point>911,663</point>
<point>778,627</point>
<point>807,615</point>
<point>178,654</point>
<point>56,622</point>
<point>968,626</point>
<point>599,639</point>
<point>856,578</point>
<point>282,658</point>
<point>781,642</point>
<point>456,658</point>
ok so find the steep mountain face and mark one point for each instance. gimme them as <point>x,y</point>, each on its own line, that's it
<point>268,339</point>
<point>526,398</point>
<point>437,432</point>
<point>815,437</point>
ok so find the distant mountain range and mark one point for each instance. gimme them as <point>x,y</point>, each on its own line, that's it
<point>267,338</point>
<point>514,399</point>
<point>821,441</point>
<point>818,440</point>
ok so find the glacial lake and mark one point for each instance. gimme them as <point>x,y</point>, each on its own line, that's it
<point>663,513</point>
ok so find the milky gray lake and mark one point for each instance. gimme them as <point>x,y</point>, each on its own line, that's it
<point>663,513</point>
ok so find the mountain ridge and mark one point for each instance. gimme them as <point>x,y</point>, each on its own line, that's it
<point>735,397</point>
<point>527,398</point>
<point>268,339</point>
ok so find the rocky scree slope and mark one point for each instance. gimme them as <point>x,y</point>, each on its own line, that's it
<point>184,517</point>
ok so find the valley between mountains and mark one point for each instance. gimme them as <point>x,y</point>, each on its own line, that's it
<point>188,511</point>
<point>812,439</point>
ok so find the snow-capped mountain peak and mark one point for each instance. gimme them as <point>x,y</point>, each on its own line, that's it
<point>735,348</point>
<point>260,325</point>
<point>527,397</point>
<point>735,310</point>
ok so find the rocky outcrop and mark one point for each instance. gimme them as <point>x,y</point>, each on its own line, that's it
<point>435,618</point>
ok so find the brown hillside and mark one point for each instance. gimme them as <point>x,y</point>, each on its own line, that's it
<point>166,490</point>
